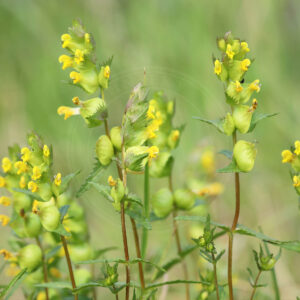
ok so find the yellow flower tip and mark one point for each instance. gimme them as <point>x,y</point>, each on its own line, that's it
<point>6,164</point>
<point>46,151</point>
<point>21,166</point>
<point>107,72</point>
<point>255,86</point>
<point>76,100</point>
<point>36,173</point>
<point>76,77</point>
<point>150,112</point>
<point>296,181</point>
<point>216,189</point>
<point>79,56</point>
<point>238,87</point>
<point>287,156</point>
<point>208,161</point>
<point>254,104</point>
<point>5,201</point>
<point>57,179</point>
<point>55,272</point>
<point>35,207</point>
<point>25,154</point>
<point>229,52</point>
<point>32,186</point>
<point>245,47</point>
<point>2,182</point>
<point>245,64</point>
<point>41,295</point>
<point>218,67</point>
<point>66,39</point>
<point>87,38</point>
<point>111,181</point>
<point>66,60</point>
<point>153,152</point>
<point>297,148</point>
<point>202,192</point>
<point>4,220</point>
<point>175,135</point>
<point>22,182</point>
<point>6,254</point>
<point>65,110</point>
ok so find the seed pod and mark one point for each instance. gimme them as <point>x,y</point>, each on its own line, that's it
<point>228,124</point>
<point>116,137</point>
<point>184,199</point>
<point>30,257</point>
<point>45,191</point>
<point>242,116</point>
<point>81,252</point>
<point>244,154</point>
<point>82,276</point>
<point>50,217</point>
<point>162,202</point>
<point>32,225</point>
<point>21,201</point>
<point>63,199</point>
<point>104,150</point>
<point>34,278</point>
<point>162,165</point>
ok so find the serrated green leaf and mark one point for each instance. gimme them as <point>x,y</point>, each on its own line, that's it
<point>231,168</point>
<point>32,195</point>
<point>257,117</point>
<point>215,123</point>
<point>103,190</point>
<point>155,285</point>
<point>55,285</point>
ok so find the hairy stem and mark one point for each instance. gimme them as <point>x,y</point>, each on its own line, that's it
<point>178,244</point>
<point>255,284</point>
<point>234,224</point>
<point>215,276</point>
<point>64,242</point>
<point>44,262</point>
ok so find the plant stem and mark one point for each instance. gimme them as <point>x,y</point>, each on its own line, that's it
<point>93,276</point>
<point>178,244</point>
<point>44,266</point>
<point>146,210</point>
<point>234,224</point>
<point>64,242</point>
<point>215,276</point>
<point>255,284</point>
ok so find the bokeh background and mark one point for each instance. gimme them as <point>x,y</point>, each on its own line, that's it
<point>174,41</point>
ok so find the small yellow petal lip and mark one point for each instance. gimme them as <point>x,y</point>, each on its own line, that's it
<point>297,148</point>
<point>6,164</point>
<point>296,181</point>
<point>218,67</point>
<point>229,52</point>
<point>5,201</point>
<point>75,76</point>
<point>32,186</point>
<point>245,47</point>
<point>245,64</point>
<point>107,72</point>
<point>57,179</point>
<point>36,173</point>
<point>238,87</point>
<point>46,151</point>
<point>6,254</point>
<point>4,220</point>
<point>111,181</point>
<point>153,152</point>
<point>287,156</point>
<point>2,182</point>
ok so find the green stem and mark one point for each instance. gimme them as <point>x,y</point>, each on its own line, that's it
<point>215,275</point>
<point>255,284</point>
<point>146,210</point>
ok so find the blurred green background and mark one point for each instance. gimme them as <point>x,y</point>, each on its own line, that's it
<point>174,41</point>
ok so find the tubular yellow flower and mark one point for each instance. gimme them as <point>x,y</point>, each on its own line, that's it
<point>22,182</point>
<point>4,220</point>
<point>32,186</point>
<point>208,161</point>
<point>107,72</point>
<point>287,156</point>
<point>35,207</point>
<point>66,39</point>
<point>87,38</point>
<point>238,87</point>
<point>6,254</point>
<point>111,181</point>
<point>21,166</point>
<point>2,182</point>
<point>36,173</point>
<point>297,148</point>
<point>296,181</point>
<point>175,135</point>
<point>76,77</point>
<point>68,111</point>
<point>25,154</point>
<point>79,56</point>
<point>46,151</point>
<point>150,112</point>
<point>57,179</point>
<point>66,61</point>
<point>55,272</point>
<point>229,52</point>
<point>244,46</point>
<point>218,67</point>
<point>76,100</point>
<point>245,64</point>
<point>255,86</point>
<point>153,152</point>
<point>6,164</point>
<point>5,201</point>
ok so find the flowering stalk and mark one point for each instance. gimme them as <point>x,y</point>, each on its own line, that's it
<point>255,285</point>
<point>215,275</point>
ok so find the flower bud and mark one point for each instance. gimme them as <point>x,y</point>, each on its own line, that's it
<point>118,191</point>
<point>202,242</point>
<point>116,137</point>
<point>82,276</point>
<point>21,201</point>
<point>104,150</point>
<point>50,217</point>
<point>184,199</point>
<point>267,262</point>
<point>45,191</point>
<point>228,124</point>
<point>32,225</point>
<point>244,154</point>
<point>242,116</point>
<point>81,252</point>
<point>162,165</point>
<point>103,76</point>
<point>162,202</point>
<point>30,257</point>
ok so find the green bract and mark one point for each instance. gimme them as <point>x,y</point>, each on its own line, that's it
<point>50,217</point>
<point>162,202</point>
<point>244,154</point>
<point>104,150</point>
<point>30,257</point>
<point>184,199</point>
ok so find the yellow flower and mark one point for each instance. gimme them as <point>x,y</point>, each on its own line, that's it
<point>68,111</point>
<point>12,270</point>
<point>21,166</point>
<point>55,272</point>
<point>36,173</point>
<point>175,135</point>
<point>238,87</point>
<point>57,179</point>
<point>66,39</point>
<point>87,37</point>
<point>255,86</point>
<point>76,100</point>
<point>32,186</point>
<point>5,201</point>
<point>22,182</point>
<point>244,46</point>
<point>66,61</point>
<point>79,56</point>
<point>76,77</point>
<point>230,53</point>
<point>150,112</point>
<point>152,128</point>
<point>107,72</point>
<point>216,189</point>
<point>296,180</point>
<point>245,64</point>
<point>25,154</point>
<point>41,295</point>
<point>2,182</point>
<point>218,67</point>
<point>287,156</point>
<point>4,219</point>
<point>35,207</point>
<point>208,161</point>
<point>153,152</point>
<point>297,148</point>
<point>111,181</point>
<point>46,151</point>
<point>6,164</point>
<point>6,254</point>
